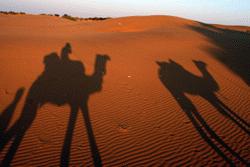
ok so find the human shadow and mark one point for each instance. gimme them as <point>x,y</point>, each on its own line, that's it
<point>179,81</point>
<point>8,112</point>
<point>62,82</point>
<point>233,48</point>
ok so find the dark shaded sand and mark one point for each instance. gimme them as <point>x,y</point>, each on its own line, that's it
<point>132,91</point>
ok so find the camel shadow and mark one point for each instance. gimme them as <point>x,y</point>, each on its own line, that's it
<point>62,82</point>
<point>179,81</point>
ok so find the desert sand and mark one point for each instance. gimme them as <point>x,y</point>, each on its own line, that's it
<point>132,91</point>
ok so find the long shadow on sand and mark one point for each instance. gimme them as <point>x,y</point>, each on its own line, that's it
<point>8,112</point>
<point>63,81</point>
<point>234,48</point>
<point>179,81</point>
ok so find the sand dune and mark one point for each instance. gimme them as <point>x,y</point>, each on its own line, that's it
<point>175,92</point>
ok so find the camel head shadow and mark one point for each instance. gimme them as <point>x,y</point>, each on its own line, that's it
<point>100,65</point>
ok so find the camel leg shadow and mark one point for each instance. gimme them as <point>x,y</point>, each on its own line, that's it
<point>93,146</point>
<point>204,129</point>
<point>227,112</point>
<point>65,156</point>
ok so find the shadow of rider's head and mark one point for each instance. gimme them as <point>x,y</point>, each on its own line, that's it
<point>66,50</point>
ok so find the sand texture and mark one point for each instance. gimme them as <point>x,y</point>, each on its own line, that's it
<point>132,91</point>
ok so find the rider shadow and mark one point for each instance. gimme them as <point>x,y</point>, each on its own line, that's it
<point>62,82</point>
<point>179,81</point>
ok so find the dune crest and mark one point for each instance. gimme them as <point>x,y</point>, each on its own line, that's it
<point>175,93</point>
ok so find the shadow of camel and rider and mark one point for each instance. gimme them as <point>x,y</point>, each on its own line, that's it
<point>63,81</point>
<point>179,81</point>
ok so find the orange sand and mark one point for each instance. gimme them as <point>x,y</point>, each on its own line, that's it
<point>135,118</point>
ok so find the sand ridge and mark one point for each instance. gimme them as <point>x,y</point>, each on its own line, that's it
<point>172,95</point>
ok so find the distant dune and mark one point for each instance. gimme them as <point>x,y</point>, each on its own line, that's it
<point>155,90</point>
